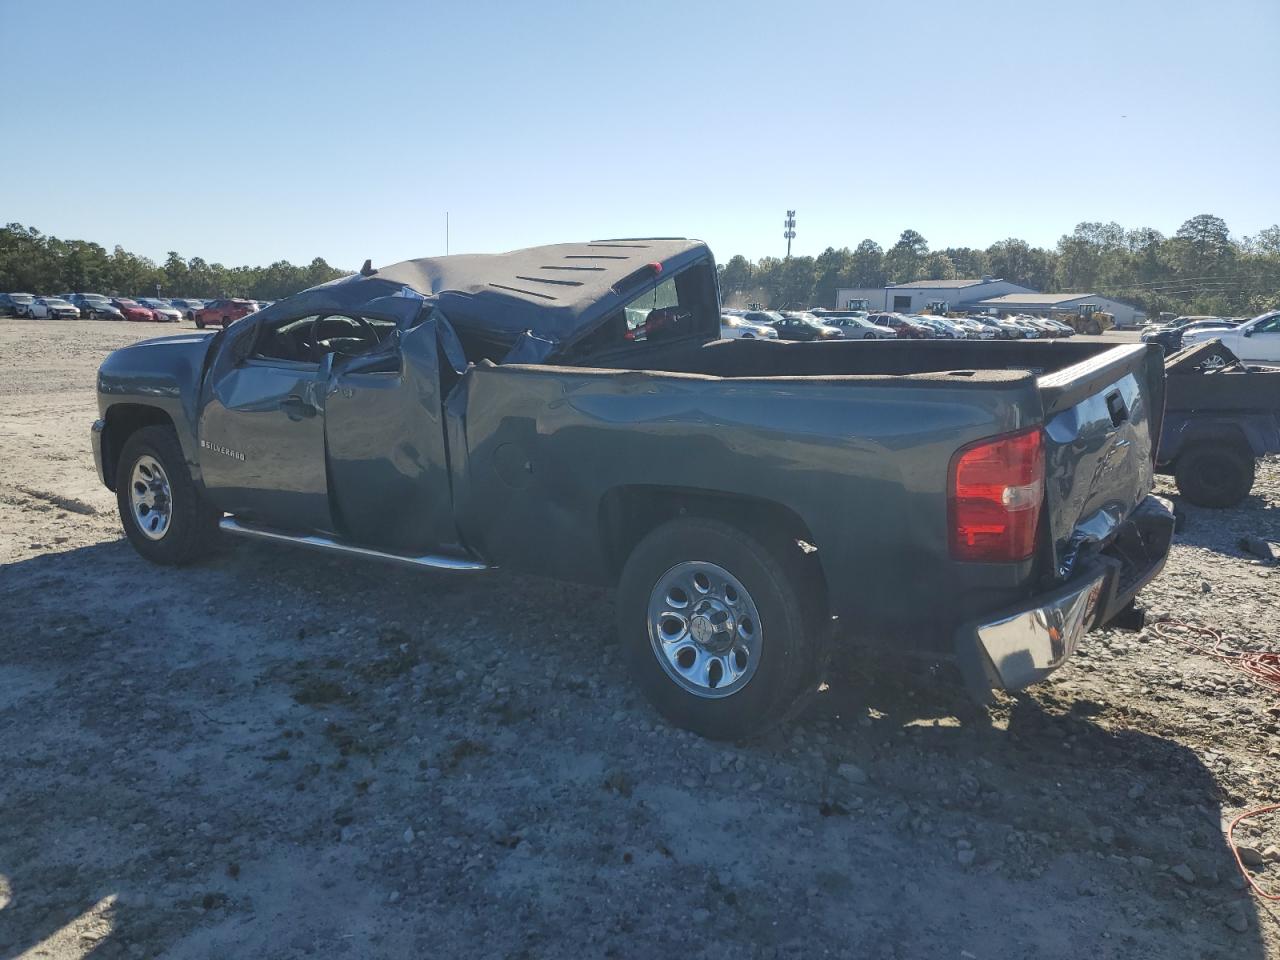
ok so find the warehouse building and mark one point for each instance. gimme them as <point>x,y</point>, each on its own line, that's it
<point>1047,304</point>
<point>917,295</point>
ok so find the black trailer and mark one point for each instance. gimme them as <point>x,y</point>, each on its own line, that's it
<point>1221,415</point>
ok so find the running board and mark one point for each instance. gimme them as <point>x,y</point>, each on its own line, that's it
<point>428,561</point>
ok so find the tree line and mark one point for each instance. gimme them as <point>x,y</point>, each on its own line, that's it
<point>33,262</point>
<point>1200,269</point>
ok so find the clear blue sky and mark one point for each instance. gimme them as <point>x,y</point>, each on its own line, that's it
<point>251,132</point>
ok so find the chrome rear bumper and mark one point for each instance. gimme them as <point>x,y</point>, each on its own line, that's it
<point>1022,645</point>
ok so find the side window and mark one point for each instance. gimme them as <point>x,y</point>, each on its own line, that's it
<point>1269,326</point>
<point>308,339</point>
<point>680,306</point>
<point>288,339</point>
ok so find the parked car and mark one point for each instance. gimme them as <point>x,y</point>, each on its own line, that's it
<point>944,328</point>
<point>1175,323</point>
<point>904,328</point>
<point>165,311</point>
<point>733,328</point>
<point>51,308</point>
<point>15,304</point>
<point>1046,328</point>
<point>187,306</point>
<point>1254,341</point>
<point>94,306</point>
<point>853,327</point>
<point>975,330</point>
<point>1029,330</point>
<point>544,441</point>
<point>805,328</point>
<point>132,310</point>
<point>1064,329</point>
<point>1170,338</point>
<point>223,312</point>
<point>1219,419</point>
<point>998,330</point>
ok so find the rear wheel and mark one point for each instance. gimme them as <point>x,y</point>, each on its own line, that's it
<point>164,514</point>
<point>1215,474</point>
<point>714,630</point>
<point>199,323</point>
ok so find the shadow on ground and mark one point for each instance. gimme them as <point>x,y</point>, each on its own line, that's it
<point>278,754</point>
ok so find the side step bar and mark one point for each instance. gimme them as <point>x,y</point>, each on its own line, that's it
<point>428,561</point>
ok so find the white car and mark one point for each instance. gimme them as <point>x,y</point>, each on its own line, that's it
<point>857,328</point>
<point>735,328</point>
<point>1254,341</point>
<point>52,308</point>
<point>165,311</point>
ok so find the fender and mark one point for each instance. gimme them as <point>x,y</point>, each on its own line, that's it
<point>1257,432</point>
<point>165,374</point>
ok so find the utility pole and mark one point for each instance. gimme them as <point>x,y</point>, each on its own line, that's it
<point>790,232</point>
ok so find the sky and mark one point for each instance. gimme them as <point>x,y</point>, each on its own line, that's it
<point>247,133</point>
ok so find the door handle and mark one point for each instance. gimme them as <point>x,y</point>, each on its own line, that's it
<point>296,408</point>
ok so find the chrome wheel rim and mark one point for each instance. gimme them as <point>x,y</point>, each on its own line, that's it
<point>704,629</point>
<point>149,495</point>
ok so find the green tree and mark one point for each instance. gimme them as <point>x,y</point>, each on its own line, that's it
<point>905,260</point>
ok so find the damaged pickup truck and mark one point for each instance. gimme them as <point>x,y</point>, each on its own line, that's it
<point>569,411</point>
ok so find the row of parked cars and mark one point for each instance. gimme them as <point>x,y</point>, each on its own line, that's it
<point>97,306</point>
<point>821,324</point>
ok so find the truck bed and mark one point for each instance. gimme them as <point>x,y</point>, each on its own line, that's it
<point>854,439</point>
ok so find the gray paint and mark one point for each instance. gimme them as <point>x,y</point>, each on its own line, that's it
<point>358,451</point>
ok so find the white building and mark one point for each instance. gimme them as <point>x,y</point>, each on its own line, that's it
<point>917,295</point>
<point>1048,304</point>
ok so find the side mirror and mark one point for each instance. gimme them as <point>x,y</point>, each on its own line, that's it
<point>1247,333</point>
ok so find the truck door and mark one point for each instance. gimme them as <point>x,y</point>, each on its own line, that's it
<point>1261,341</point>
<point>384,424</point>
<point>261,425</point>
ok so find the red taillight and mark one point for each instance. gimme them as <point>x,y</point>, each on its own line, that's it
<point>996,489</point>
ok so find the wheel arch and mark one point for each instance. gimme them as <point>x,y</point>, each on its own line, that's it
<point>1205,430</point>
<point>122,421</point>
<point>629,513</point>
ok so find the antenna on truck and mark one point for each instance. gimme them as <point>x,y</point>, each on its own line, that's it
<point>367,270</point>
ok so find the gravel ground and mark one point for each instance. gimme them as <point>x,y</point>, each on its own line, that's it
<point>276,754</point>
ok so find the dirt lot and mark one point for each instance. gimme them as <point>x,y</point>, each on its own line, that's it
<point>279,755</point>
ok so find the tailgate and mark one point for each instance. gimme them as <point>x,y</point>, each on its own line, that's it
<point>1102,422</point>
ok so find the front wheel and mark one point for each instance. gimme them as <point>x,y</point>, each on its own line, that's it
<point>199,324</point>
<point>868,336</point>
<point>714,630</point>
<point>163,512</point>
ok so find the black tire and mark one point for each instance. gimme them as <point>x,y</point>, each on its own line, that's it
<point>791,642</point>
<point>1214,474</point>
<point>193,524</point>
<point>868,336</point>
<point>199,324</point>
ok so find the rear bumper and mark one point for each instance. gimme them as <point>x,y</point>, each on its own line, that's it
<point>1023,644</point>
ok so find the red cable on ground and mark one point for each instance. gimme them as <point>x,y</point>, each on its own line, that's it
<point>1235,851</point>
<point>1263,667</point>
